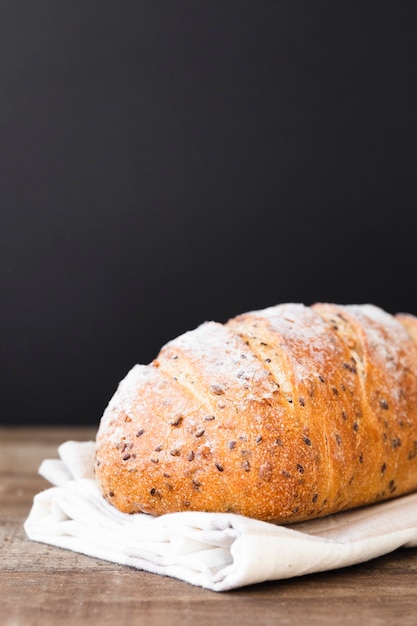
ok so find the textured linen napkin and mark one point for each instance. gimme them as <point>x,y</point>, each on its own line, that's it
<point>212,550</point>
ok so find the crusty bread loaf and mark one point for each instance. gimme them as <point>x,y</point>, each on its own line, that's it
<point>285,414</point>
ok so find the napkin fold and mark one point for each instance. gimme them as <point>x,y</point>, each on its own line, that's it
<point>218,551</point>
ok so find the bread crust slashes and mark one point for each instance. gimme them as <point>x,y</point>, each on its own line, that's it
<point>286,414</point>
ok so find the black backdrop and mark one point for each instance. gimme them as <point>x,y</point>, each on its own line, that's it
<point>163,163</point>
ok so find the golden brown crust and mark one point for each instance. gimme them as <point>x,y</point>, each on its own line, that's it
<point>285,414</point>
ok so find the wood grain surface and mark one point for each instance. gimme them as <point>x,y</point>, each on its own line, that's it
<point>40,584</point>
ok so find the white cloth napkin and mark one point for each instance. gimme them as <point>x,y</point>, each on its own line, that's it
<point>215,551</point>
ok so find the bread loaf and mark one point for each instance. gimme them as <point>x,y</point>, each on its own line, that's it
<point>285,414</point>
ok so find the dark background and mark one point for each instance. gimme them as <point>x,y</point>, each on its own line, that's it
<point>165,163</point>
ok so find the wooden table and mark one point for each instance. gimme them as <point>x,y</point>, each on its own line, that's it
<point>40,584</point>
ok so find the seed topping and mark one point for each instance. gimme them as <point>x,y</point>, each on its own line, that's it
<point>216,389</point>
<point>177,420</point>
